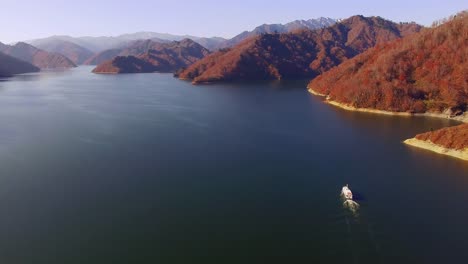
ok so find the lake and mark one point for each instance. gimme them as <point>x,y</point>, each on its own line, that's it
<point>146,168</point>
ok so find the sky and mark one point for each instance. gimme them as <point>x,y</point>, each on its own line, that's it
<point>28,19</point>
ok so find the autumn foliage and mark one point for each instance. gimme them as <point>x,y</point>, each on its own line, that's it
<point>150,56</point>
<point>299,54</point>
<point>424,72</point>
<point>125,64</point>
<point>455,137</point>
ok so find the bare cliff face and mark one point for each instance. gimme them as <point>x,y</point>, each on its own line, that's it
<point>150,56</point>
<point>299,54</point>
<point>37,57</point>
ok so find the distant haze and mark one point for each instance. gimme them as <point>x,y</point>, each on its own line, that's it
<point>29,19</point>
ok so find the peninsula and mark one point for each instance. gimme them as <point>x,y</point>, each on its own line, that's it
<point>452,141</point>
<point>422,74</point>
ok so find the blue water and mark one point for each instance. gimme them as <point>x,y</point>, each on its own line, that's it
<point>145,168</point>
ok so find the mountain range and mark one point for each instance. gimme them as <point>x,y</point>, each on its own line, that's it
<point>99,44</point>
<point>96,50</point>
<point>10,66</point>
<point>360,63</point>
<point>102,43</point>
<point>308,54</point>
<point>39,58</point>
<point>77,54</point>
<point>298,54</point>
<point>135,48</point>
<point>424,72</point>
<point>321,22</point>
<point>150,56</point>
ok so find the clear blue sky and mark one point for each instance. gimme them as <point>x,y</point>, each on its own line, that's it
<point>28,19</point>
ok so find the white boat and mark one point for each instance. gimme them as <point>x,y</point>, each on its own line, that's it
<point>346,193</point>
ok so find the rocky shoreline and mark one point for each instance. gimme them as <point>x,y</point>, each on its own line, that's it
<point>462,118</point>
<point>428,145</point>
<point>423,144</point>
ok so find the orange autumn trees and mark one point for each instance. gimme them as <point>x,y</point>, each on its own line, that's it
<point>150,56</point>
<point>299,54</point>
<point>423,72</point>
<point>455,137</point>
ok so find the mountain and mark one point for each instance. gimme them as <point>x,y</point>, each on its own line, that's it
<point>298,54</point>
<point>102,43</point>
<point>125,64</point>
<point>424,72</point>
<point>37,57</point>
<point>208,43</point>
<point>74,52</point>
<point>102,56</point>
<point>279,28</point>
<point>140,47</point>
<point>98,44</point>
<point>321,22</point>
<point>137,47</point>
<point>10,65</point>
<point>93,44</point>
<point>150,56</point>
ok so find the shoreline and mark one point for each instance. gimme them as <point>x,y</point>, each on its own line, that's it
<point>104,72</point>
<point>316,93</point>
<point>463,118</point>
<point>192,81</point>
<point>428,145</point>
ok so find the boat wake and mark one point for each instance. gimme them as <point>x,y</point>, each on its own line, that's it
<point>362,245</point>
<point>351,206</point>
<point>349,203</point>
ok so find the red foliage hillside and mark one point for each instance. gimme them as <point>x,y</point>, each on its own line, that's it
<point>451,137</point>
<point>150,56</point>
<point>125,64</point>
<point>424,72</point>
<point>298,54</point>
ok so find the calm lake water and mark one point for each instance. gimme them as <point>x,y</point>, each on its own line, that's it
<point>145,168</point>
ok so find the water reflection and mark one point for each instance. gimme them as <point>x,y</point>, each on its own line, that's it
<point>44,74</point>
<point>235,169</point>
<point>383,125</point>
